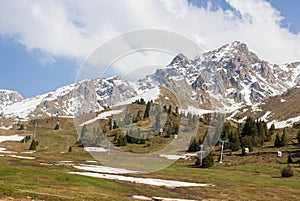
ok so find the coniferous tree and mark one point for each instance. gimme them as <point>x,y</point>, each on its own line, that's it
<point>56,127</point>
<point>22,127</point>
<point>115,125</point>
<point>83,134</point>
<point>277,141</point>
<point>148,107</point>
<point>33,145</point>
<point>235,142</point>
<point>207,162</point>
<point>283,140</point>
<point>157,124</point>
<point>170,110</point>
<point>194,146</point>
<point>290,159</point>
<point>272,129</point>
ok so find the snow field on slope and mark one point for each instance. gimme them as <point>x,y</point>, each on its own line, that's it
<point>148,181</point>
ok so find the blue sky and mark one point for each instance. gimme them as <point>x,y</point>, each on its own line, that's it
<point>33,60</point>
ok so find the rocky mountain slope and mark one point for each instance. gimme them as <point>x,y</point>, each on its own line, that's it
<point>226,79</point>
<point>229,77</point>
<point>8,97</point>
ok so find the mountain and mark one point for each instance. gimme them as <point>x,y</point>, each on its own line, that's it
<point>8,97</point>
<point>228,78</point>
<point>82,97</point>
<point>283,110</point>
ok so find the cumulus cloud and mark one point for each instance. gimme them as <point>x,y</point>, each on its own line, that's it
<point>74,28</point>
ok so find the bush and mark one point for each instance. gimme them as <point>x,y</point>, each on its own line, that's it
<point>287,172</point>
<point>70,149</point>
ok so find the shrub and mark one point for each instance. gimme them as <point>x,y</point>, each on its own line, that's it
<point>287,172</point>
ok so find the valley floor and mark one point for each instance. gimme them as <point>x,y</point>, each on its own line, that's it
<point>45,175</point>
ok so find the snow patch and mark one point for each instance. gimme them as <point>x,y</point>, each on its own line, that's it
<point>4,151</point>
<point>6,127</point>
<point>11,138</point>
<point>102,115</point>
<point>147,181</point>
<point>95,149</point>
<point>265,116</point>
<point>23,157</point>
<point>195,111</point>
<point>285,123</point>
<point>147,95</point>
<point>104,169</point>
<point>171,157</point>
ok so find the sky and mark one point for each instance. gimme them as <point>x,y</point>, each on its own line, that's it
<point>44,43</point>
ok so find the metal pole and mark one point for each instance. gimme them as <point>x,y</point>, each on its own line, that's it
<point>108,147</point>
<point>201,154</point>
<point>222,150</point>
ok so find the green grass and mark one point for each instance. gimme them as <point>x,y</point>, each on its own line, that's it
<point>255,177</point>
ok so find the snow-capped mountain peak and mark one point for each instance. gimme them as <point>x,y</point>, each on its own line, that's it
<point>231,76</point>
<point>8,97</point>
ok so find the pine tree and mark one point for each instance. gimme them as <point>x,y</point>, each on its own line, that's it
<point>56,127</point>
<point>148,107</point>
<point>235,142</point>
<point>83,133</point>
<point>272,129</point>
<point>277,141</point>
<point>142,102</point>
<point>283,141</point>
<point>170,110</point>
<point>157,124</point>
<point>194,146</point>
<point>33,145</point>
<point>290,159</point>
<point>207,162</point>
<point>115,125</point>
<point>21,127</point>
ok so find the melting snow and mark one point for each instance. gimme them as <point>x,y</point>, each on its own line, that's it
<point>11,138</point>
<point>104,169</point>
<point>95,149</point>
<point>148,181</point>
<point>148,95</point>
<point>171,157</point>
<point>102,115</point>
<point>265,116</point>
<point>196,111</point>
<point>286,123</point>
<point>3,150</point>
<point>23,157</point>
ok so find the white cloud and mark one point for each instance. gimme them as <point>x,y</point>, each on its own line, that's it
<point>75,28</point>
